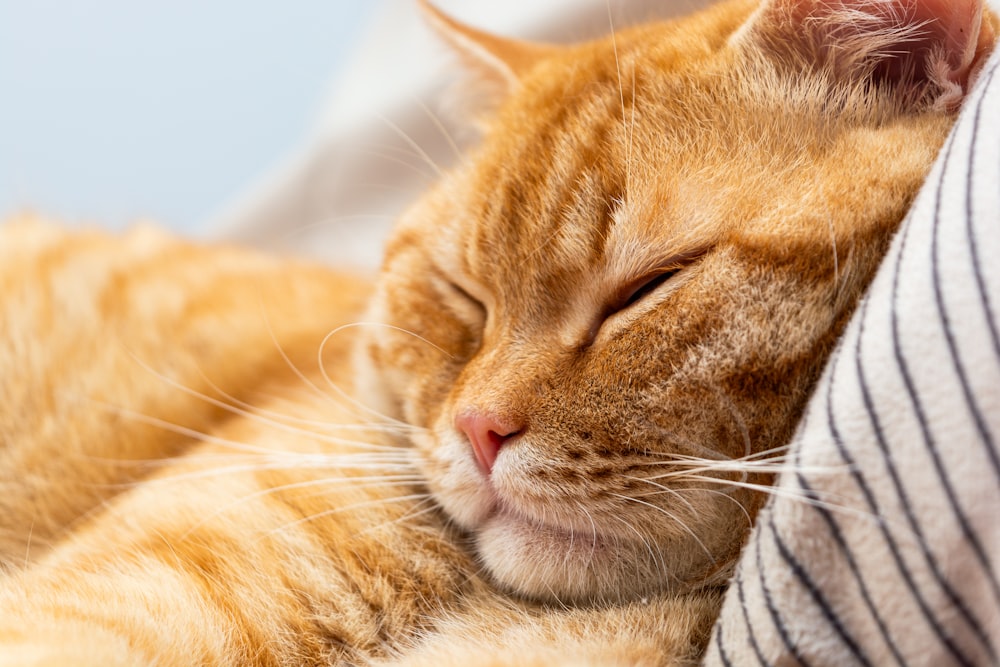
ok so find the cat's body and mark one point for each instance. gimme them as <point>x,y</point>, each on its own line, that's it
<point>530,447</point>
<point>128,541</point>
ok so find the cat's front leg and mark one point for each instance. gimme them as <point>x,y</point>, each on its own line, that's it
<point>99,603</point>
<point>84,646</point>
<point>661,631</point>
<point>217,562</point>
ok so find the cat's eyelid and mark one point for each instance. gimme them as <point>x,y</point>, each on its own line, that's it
<point>634,291</point>
<point>464,292</point>
<point>660,273</point>
<point>675,262</point>
<point>461,286</point>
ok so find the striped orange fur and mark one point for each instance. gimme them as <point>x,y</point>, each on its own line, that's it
<point>542,435</point>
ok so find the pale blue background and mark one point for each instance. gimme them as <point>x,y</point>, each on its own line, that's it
<point>115,109</point>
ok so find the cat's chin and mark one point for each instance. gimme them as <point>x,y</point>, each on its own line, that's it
<point>554,564</point>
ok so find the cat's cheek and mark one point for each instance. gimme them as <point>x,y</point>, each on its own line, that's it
<point>451,474</point>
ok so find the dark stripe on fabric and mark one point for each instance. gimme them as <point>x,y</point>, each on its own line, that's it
<point>904,571</point>
<point>911,391</point>
<point>991,319</point>
<point>838,536</point>
<point>968,533</point>
<point>984,295</point>
<point>779,624</point>
<point>746,618</point>
<point>720,646</point>
<point>818,598</point>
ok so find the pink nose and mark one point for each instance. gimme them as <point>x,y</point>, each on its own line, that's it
<point>487,433</point>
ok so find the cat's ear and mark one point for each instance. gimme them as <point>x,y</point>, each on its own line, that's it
<point>496,64</point>
<point>930,49</point>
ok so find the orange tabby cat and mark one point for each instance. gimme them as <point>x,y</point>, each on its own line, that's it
<point>529,451</point>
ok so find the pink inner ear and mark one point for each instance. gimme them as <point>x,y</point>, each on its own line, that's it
<point>911,40</point>
<point>954,26</point>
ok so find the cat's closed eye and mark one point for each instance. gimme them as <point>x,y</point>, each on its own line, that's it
<point>470,308</point>
<point>637,290</point>
<point>631,294</point>
<point>634,291</point>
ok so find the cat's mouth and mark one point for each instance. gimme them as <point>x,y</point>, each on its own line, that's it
<point>554,548</point>
<point>509,518</point>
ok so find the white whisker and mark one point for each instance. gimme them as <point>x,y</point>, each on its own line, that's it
<point>400,473</point>
<point>593,528</point>
<point>413,144</point>
<point>459,155</point>
<point>343,394</point>
<point>291,365</point>
<point>789,494</point>
<point>181,430</point>
<point>643,539</point>
<point>743,467</point>
<point>235,445</point>
<point>336,510</point>
<point>311,423</point>
<point>782,449</point>
<point>665,489</point>
<point>409,516</point>
<point>269,418</point>
<point>621,90</point>
<point>672,517</point>
<point>631,142</point>
<point>836,262</point>
<point>338,221</point>
<point>394,328</point>
<point>27,544</point>
<point>306,484</point>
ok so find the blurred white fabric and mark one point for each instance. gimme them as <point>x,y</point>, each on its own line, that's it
<point>338,196</point>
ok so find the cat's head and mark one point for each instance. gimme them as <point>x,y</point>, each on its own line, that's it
<point>645,264</point>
